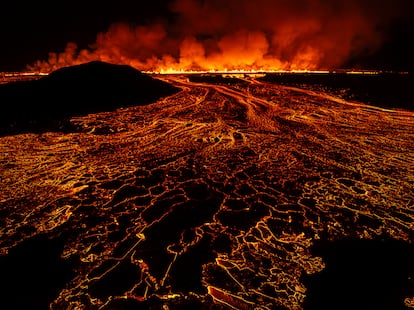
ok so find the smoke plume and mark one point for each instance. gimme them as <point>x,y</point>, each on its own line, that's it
<point>243,35</point>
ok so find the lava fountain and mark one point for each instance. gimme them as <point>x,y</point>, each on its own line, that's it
<point>232,35</point>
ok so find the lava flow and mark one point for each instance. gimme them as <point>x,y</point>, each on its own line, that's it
<point>212,197</point>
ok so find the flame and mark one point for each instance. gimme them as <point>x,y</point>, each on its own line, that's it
<point>238,35</point>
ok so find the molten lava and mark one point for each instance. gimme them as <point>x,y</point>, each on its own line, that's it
<point>212,198</point>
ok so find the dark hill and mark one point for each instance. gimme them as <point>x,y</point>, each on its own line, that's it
<point>45,104</point>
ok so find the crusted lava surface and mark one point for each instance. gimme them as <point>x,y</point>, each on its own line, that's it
<point>220,196</point>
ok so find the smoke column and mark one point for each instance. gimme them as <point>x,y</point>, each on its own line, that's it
<point>243,35</point>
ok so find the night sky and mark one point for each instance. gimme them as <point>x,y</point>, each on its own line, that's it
<point>30,30</point>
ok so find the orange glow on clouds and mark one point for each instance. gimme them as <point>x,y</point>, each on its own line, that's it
<point>231,35</point>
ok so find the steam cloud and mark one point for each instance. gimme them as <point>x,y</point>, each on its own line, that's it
<point>243,34</point>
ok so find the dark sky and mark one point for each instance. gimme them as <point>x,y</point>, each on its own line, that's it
<point>29,30</point>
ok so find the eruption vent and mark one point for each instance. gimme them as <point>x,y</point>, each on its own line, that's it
<point>222,35</point>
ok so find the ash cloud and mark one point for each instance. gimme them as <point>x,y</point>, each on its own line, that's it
<point>244,34</point>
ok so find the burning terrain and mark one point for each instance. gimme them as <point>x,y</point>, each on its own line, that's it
<point>222,193</point>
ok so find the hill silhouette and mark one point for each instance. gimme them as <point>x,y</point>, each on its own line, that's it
<point>46,104</point>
